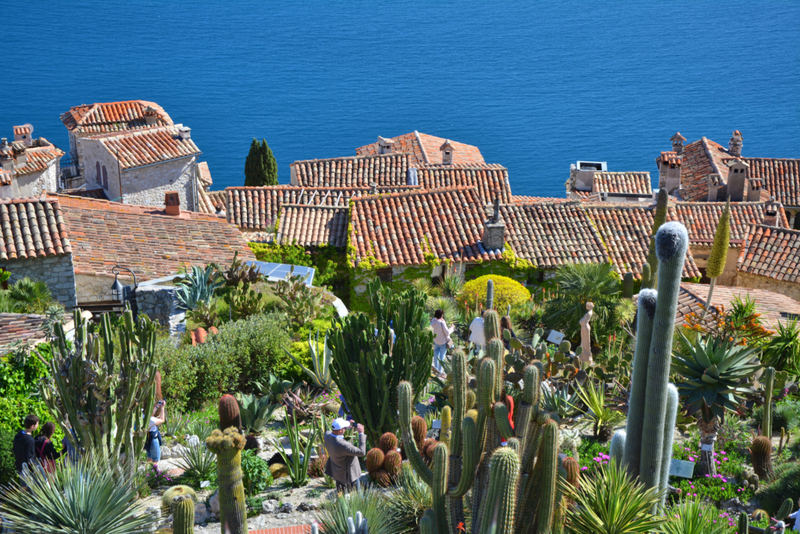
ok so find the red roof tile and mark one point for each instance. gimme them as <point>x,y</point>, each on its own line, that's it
<point>38,159</point>
<point>311,226</point>
<point>424,149</point>
<point>16,327</point>
<point>145,239</point>
<point>622,182</point>
<point>700,159</point>
<point>701,218</point>
<point>32,228</point>
<point>549,234</point>
<point>352,171</point>
<point>771,252</point>
<point>780,178</point>
<point>204,174</point>
<point>113,116</point>
<point>402,228</point>
<point>209,200</point>
<point>147,146</point>
<point>487,179</point>
<point>25,129</point>
<point>525,199</point>
<point>769,303</point>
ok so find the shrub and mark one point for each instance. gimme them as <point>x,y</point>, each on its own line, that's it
<point>7,472</point>
<point>785,486</point>
<point>13,411</point>
<point>785,414</point>
<point>506,291</point>
<point>255,473</point>
<point>178,372</point>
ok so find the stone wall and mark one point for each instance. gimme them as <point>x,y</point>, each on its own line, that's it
<point>55,271</point>
<point>146,186</point>
<point>160,304</point>
<point>755,281</point>
<point>96,288</point>
<point>93,152</point>
<point>32,185</point>
<point>728,276</point>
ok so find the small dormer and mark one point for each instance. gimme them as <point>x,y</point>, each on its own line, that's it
<point>24,133</point>
<point>677,143</point>
<point>737,178</point>
<point>385,146</point>
<point>447,153</point>
<point>735,144</point>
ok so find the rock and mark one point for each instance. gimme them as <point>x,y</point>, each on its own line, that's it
<point>213,503</point>
<point>178,450</point>
<point>155,511</point>
<point>282,516</point>
<point>200,513</point>
<point>193,441</point>
<point>287,508</point>
<point>270,506</point>
<point>166,453</point>
<point>306,506</point>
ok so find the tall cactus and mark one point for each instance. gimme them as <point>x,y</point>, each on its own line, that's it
<point>743,525</point>
<point>627,286</point>
<point>769,385</point>
<point>490,294</point>
<point>183,515</point>
<point>669,436</point>
<point>228,448</point>
<point>229,415</point>
<point>659,218</point>
<point>491,325</point>
<point>617,448</point>
<point>497,510</point>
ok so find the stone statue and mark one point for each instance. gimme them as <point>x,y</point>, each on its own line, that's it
<point>586,339</point>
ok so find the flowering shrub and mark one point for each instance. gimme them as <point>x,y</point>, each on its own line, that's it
<point>506,291</point>
<point>719,487</point>
<point>157,478</point>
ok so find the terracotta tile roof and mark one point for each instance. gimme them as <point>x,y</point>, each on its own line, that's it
<point>209,200</point>
<point>5,177</point>
<point>145,239</point>
<point>402,228</point>
<point>779,177</point>
<point>626,231</point>
<point>204,174</point>
<point>113,116</point>
<point>769,303</point>
<point>23,327</point>
<point>700,159</point>
<point>38,157</point>
<point>622,182</point>
<point>257,208</point>
<point>32,228</point>
<point>352,171</point>
<point>552,234</point>
<point>701,218</point>
<point>424,149</point>
<point>486,179</point>
<point>524,199</point>
<point>147,146</point>
<point>25,129</point>
<point>98,193</point>
<point>311,226</point>
<point>771,252</point>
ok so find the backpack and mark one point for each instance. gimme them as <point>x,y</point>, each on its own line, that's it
<point>47,464</point>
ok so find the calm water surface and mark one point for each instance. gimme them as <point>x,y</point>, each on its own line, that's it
<point>535,85</point>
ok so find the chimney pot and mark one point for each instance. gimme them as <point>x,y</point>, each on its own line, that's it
<point>669,171</point>
<point>677,143</point>
<point>735,144</point>
<point>184,132</point>
<point>770,218</point>
<point>494,231</point>
<point>385,145</point>
<point>411,176</point>
<point>447,153</point>
<point>172,203</point>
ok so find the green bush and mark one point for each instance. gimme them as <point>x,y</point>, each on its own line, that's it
<point>178,372</point>
<point>506,291</point>
<point>7,472</point>
<point>255,473</point>
<point>785,486</point>
<point>785,414</point>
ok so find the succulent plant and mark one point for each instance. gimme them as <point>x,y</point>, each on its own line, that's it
<point>374,460</point>
<point>182,508</point>
<point>229,415</point>
<point>228,447</point>
<point>255,412</point>
<point>388,442</point>
<point>761,456</point>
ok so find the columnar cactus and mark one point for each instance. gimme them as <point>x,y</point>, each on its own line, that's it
<point>660,216</point>
<point>441,466</point>
<point>761,456</point>
<point>742,526</point>
<point>490,294</point>
<point>627,286</point>
<point>547,465</point>
<point>669,435</point>
<point>498,508</point>
<point>183,515</point>
<point>229,413</point>
<point>228,447</point>
<point>171,494</point>
<point>769,385</point>
<point>491,325</point>
<point>573,471</point>
<point>617,448</point>
<point>446,421</point>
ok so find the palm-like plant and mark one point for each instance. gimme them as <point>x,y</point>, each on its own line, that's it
<point>694,516</point>
<point>611,503</point>
<point>86,497</point>
<point>712,373</point>
<point>452,314</point>
<point>33,296</point>
<point>783,351</point>
<point>603,418</point>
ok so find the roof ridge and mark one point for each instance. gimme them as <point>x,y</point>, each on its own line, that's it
<point>416,192</point>
<point>422,147</point>
<point>710,156</point>
<point>297,205</point>
<point>86,115</point>
<point>357,156</point>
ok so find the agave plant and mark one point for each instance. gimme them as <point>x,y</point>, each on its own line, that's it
<point>256,412</point>
<point>559,401</point>
<point>197,462</point>
<point>89,496</point>
<point>603,418</point>
<point>296,462</point>
<point>371,504</point>
<point>320,360</point>
<point>611,503</point>
<point>176,424</point>
<point>199,284</point>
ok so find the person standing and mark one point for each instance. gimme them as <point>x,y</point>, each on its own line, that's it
<point>476,335</point>
<point>153,443</point>
<point>24,447</point>
<point>45,450</point>
<point>505,324</point>
<point>343,456</point>
<point>441,340</point>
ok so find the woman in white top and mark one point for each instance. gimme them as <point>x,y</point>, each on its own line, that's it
<point>153,443</point>
<point>441,339</point>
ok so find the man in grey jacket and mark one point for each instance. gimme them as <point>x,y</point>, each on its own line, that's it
<point>343,456</point>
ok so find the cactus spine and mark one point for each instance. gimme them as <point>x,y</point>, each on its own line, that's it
<point>672,242</point>
<point>497,509</point>
<point>489,295</point>
<point>743,525</point>
<point>170,495</point>
<point>229,413</point>
<point>761,456</point>
<point>439,486</point>
<point>491,325</point>
<point>228,448</point>
<point>183,515</point>
<point>660,216</point>
<point>785,509</point>
<point>769,385</point>
<point>444,432</point>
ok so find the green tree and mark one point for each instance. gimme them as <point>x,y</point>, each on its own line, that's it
<point>270,165</point>
<point>719,252</point>
<point>254,169</point>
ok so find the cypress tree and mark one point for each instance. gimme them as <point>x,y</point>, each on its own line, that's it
<point>254,166</point>
<point>719,252</point>
<point>270,165</point>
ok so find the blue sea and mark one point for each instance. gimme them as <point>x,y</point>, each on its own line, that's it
<point>535,85</point>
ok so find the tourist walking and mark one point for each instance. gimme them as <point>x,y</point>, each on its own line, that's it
<point>24,446</point>
<point>343,456</point>
<point>441,340</point>
<point>153,443</point>
<point>45,450</point>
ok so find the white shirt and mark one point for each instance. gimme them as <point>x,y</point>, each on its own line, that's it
<point>442,333</point>
<point>796,517</point>
<point>476,334</point>
<point>153,426</point>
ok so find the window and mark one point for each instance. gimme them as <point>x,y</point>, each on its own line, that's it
<point>385,275</point>
<point>105,178</point>
<point>97,179</point>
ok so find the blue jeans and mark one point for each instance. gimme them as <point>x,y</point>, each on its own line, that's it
<point>439,352</point>
<point>154,452</point>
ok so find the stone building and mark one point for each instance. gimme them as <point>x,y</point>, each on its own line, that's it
<point>134,152</point>
<point>28,166</point>
<point>34,242</point>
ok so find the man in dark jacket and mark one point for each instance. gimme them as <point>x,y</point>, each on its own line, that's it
<point>24,447</point>
<point>343,456</point>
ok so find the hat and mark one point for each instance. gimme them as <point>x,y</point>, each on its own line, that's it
<point>339,424</point>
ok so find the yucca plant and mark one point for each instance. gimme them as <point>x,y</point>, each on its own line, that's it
<point>782,351</point>
<point>321,361</point>
<point>611,503</point>
<point>198,284</point>
<point>297,462</point>
<point>694,516</point>
<point>603,418</point>
<point>451,283</point>
<point>177,424</point>
<point>200,428</point>
<point>423,284</point>
<point>255,412</point>
<point>409,501</point>
<point>197,462</point>
<point>370,503</point>
<point>452,314</point>
<point>89,496</point>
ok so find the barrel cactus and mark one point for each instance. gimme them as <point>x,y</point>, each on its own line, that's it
<point>183,515</point>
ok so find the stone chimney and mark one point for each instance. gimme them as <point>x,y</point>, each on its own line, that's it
<point>184,132</point>
<point>373,188</point>
<point>669,171</point>
<point>494,231</point>
<point>172,203</point>
<point>20,157</point>
<point>737,178</point>
<point>735,144</point>
<point>770,218</point>
<point>714,186</point>
<point>151,116</point>
<point>385,146</point>
<point>753,189</point>
<point>677,143</point>
<point>24,133</point>
<point>447,153</point>
<point>6,159</point>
